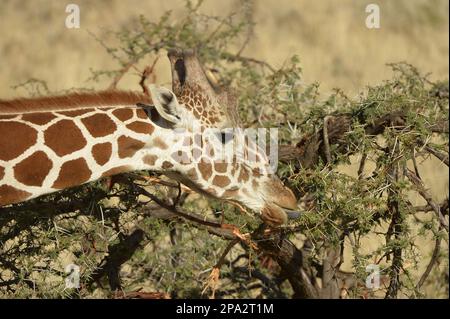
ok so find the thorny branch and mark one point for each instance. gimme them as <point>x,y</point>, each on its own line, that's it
<point>431,264</point>
<point>396,229</point>
<point>423,192</point>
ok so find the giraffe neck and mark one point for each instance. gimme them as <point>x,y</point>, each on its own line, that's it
<point>43,152</point>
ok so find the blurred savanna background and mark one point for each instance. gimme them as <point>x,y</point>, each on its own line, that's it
<point>335,47</point>
<point>330,38</point>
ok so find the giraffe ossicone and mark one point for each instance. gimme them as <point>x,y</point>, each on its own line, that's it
<point>52,143</point>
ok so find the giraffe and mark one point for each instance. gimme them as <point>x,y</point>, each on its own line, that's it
<point>53,143</point>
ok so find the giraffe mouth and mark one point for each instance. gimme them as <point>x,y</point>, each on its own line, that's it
<point>288,204</point>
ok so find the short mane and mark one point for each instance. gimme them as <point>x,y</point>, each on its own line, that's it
<point>72,101</point>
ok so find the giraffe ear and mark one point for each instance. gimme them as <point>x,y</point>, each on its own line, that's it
<point>166,103</point>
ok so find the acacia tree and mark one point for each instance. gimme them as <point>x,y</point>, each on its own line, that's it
<point>149,237</point>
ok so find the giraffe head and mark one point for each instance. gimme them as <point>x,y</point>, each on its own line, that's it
<point>73,139</point>
<point>244,174</point>
<point>198,93</point>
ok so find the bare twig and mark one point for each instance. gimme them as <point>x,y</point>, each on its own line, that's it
<point>330,284</point>
<point>170,208</point>
<point>238,58</point>
<point>440,127</point>
<point>213,279</point>
<point>120,75</point>
<point>422,191</point>
<point>431,264</point>
<point>362,164</point>
<point>149,70</point>
<point>395,228</point>
<point>442,156</point>
<point>416,167</point>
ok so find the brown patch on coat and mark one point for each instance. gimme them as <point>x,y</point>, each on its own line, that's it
<point>15,138</point>
<point>192,174</point>
<point>2,172</point>
<point>116,170</point>
<point>220,167</point>
<point>102,153</point>
<point>205,168</point>
<point>141,114</point>
<point>231,193</point>
<point>150,159</point>
<point>128,146</point>
<point>213,120</point>
<point>158,142</point>
<point>197,114</point>
<point>141,127</point>
<point>243,175</point>
<point>72,101</point>
<point>256,172</point>
<point>8,117</point>
<point>39,118</point>
<point>167,165</point>
<point>33,170</point>
<point>64,137</point>
<point>221,181</point>
<point>123,114</point>
<point>11,195</point>
<point>99,125</point>
<point>72,173</point>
